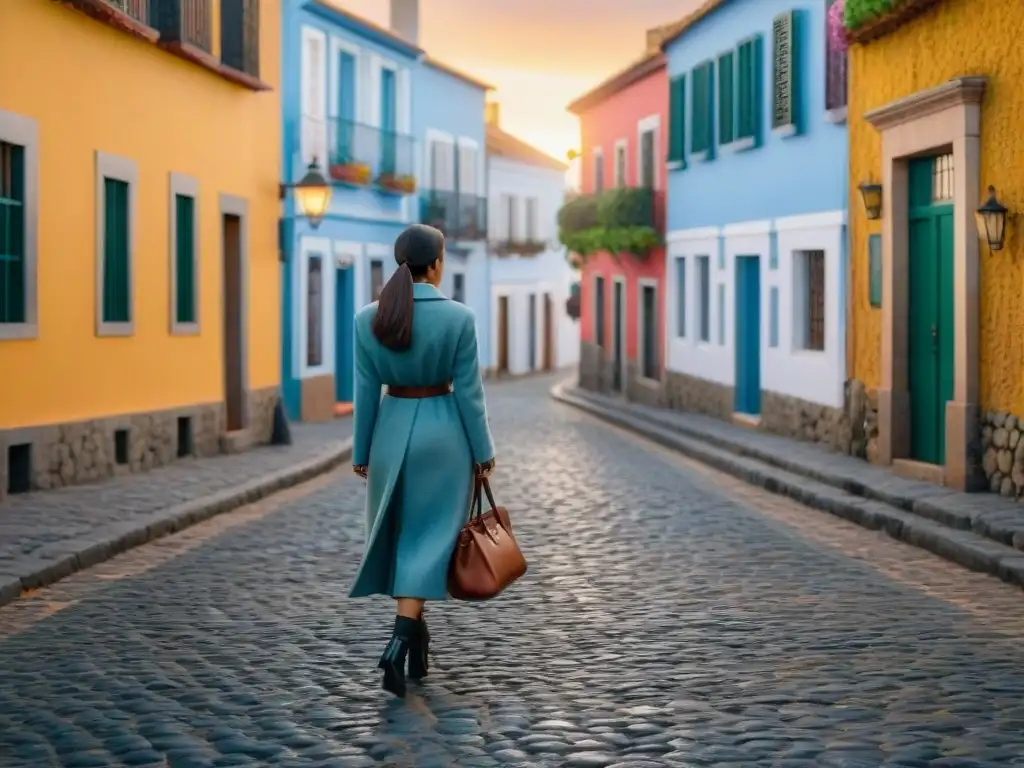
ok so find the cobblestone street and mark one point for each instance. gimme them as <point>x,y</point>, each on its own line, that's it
<point>671,617</point>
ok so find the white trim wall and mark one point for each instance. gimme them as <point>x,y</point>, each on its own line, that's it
<point>322,247</point>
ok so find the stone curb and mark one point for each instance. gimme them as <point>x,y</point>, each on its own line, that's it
<point>961,547</point>
<point>937,504</point>
<point>108,544</point>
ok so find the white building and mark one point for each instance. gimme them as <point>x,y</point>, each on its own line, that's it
<point>531,279</point>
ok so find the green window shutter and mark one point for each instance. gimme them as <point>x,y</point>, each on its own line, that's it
<point>702,98</point>
<point>12,233</point>
<point>116,253</point>
<point>677,121</point>
<point>786,73</point>
<point>726,98</point>
<point>749,69</point>
<point>185,260</point>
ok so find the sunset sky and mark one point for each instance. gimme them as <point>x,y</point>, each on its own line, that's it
<point>539,54</point>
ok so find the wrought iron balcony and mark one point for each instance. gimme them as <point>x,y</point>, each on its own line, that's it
<point>137,9</point>
<point>188,22</point>
<point>359,155</point>
<point>461,216</point>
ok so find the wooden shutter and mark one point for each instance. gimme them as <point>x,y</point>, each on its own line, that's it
<point>677,121</point>
<point>13,220</point>
<point>185,260</point>
<point>726,98</point>
<point>748,90</point>
<point>699,132</point>
<point>785,73</point>
<point>116,252</point>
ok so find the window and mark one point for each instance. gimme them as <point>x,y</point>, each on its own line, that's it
<point>532,234</point>
<point>677,122</point>
<point>459,287</point>
<point>599,302</point>
<point>376,278</point>
<point>786,73</point>
<point>620,164</point>
<point>721,314</point>
<point>314,101</point>
<point>184,260</point>
<point>681,297</point>
<point>467,169</point>
<point>314,311</point>
<point>178,21</point>
<point>115,191</point>
<point>835,64</point>
<point>240,35</point>
<point>512,217</point>
<point>942,178</point>
<point>598,171</point>
<point>649,323</point>
<point>773,317</point>
<point>748,91</point>
<point>13,221</point>
<point>704,298</point>
<point>702,136</point>
<point>810,278</point>
<point>726,98</point>
<point>647,178</point>
<point>442,165</point>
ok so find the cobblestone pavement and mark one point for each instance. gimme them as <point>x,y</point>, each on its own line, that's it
<point>671,617</point>
<point>38,529</point>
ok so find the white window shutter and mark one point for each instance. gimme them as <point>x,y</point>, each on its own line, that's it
<point>314,98</point>
<point>467,170</point>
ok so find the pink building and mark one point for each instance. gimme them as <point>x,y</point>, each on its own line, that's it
<point>624,122</point>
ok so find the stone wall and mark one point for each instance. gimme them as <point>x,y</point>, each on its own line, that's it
<point>1002,440</point>
<point>61,455</point>
<point>596,373</point>
<point>640,389</point>
<point>690,393</point>
<point>852,430</point>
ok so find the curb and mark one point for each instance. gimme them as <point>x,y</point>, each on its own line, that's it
<point>171,520</point>
<point>958,546</point>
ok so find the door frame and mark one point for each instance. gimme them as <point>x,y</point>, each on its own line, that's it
<point>344,324</point>
<point>594,309</point>
<point>230,205</point>
<point>641,347</point>
<point>618,280</point>
<point>931,122</point>
<point>740,265</point>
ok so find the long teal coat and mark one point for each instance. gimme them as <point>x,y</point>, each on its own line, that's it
<point>420,452</point>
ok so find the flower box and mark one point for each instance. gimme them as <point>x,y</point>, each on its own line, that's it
<point>353,174</point>
<point>396,184</point>
<point>880,26</point>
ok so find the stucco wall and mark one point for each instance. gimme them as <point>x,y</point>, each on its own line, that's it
<point>960,37</point>
<point>93,88</point>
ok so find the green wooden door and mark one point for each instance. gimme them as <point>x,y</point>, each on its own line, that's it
<point>931,306</point>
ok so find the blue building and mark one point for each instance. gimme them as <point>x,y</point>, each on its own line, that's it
<point>756,242</point>
<point>357,100</point>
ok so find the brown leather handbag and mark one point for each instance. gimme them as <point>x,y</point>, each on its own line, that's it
<point>487,557</point>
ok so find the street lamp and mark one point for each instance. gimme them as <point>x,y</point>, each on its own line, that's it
<point>313,193</point>
<point>991,221</point>
<point>872,195</point>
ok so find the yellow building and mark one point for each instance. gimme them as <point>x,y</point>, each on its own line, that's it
<point>935,319</point>
<point>139,298</point>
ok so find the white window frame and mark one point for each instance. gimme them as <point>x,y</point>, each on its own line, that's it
<point>597,161</point>
<point>126,170</point>
<point>649,124</point>
<point>478,181</point>
<point>432,137</point>
<point>801,301</point>
<point>621,146</point>
<point>701,301</point>
<point>310,112</point>
<point>339,46</point>
<point>641,358</point>
<point>24,131</point>
<point>324,248</point>
<point>187,186</point>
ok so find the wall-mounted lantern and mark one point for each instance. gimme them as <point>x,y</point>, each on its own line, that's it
<point>871,192</point>
<point>572,154</point>
<point>313,193</point>
<point>991,221</point>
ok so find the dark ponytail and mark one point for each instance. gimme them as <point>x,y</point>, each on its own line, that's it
<point>393,324</point>
<point>417,249</point>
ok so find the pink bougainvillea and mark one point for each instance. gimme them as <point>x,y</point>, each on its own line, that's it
<point>836,30</point>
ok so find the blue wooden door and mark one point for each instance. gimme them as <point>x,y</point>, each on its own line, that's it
<point>748,335</point>
<point>388,116</point>
<point>344,335</point>
<point>345,133</point>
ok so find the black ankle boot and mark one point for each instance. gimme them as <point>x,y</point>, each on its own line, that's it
<point>419,647</point>
<point>392,661</point>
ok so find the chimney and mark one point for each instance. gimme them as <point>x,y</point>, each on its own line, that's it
<point>405,20</point>
<point>654,38</point>
<point>492,113</point>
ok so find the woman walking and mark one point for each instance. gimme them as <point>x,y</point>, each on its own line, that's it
<point>420,445</point>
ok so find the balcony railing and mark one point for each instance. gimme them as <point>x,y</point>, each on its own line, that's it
<point>461,216</point>
<point>362,155</point>
<point>137,9</point>
<point>184,21</point>
<point>240,35</point>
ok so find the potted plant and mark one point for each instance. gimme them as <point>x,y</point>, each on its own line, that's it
<point>351,172</point>
<point>397,183</point>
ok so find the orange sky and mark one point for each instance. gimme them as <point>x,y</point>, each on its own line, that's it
<point>539,54</point>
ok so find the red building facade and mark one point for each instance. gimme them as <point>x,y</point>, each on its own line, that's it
<point>624,125</point>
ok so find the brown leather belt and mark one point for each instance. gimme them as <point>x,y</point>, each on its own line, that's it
<point>417,393</point>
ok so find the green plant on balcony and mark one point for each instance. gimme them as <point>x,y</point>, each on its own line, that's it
<point>617,221</point>
<point>867,20</point>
